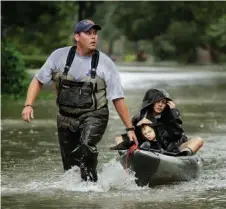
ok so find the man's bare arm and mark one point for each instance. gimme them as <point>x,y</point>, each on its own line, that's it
<point>123,112</point>
<point>33,90</point>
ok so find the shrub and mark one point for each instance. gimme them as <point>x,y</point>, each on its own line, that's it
<point>129,58</point>
<point>163,48</point>
<point>14,76</point>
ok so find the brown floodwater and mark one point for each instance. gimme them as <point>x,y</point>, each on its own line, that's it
<point>31,169</point>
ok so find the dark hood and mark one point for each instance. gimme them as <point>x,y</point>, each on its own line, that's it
<point>153,95</point>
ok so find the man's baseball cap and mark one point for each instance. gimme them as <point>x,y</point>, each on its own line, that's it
<point>85,25</point>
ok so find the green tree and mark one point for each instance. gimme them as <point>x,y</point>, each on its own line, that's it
<point>14,77</point>
<point>180,24</point>
<point>217,33</point>
<point>39,27</point>
<point>104,16</point>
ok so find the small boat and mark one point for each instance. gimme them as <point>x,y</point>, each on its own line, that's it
<point>155,168</point>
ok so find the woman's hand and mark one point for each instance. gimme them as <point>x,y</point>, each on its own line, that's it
<point>144,121</point>
<point>171,104</point>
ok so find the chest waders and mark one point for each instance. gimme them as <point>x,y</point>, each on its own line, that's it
<point>82,119</point>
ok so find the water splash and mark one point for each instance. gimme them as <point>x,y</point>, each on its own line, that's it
<point>112,177</point>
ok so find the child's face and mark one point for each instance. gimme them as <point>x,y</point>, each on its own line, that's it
<point>148,132</point>
<point>159,106</point>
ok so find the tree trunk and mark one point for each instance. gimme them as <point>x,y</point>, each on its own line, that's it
<point>110,47</point>
<point>86,9</point>
<point>81,9</point>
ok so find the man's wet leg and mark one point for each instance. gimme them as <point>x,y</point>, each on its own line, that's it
<point>92,130</point>
<point>68,141</point>
<point>88,161</point>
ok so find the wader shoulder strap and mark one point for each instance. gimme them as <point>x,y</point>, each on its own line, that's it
<point>70,58</point>
<point>94,63</point>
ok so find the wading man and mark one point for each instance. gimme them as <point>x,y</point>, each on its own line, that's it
<point>85,80</point>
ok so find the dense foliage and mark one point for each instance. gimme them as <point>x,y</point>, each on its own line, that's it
<point>14,77</point>
<point>177,28</point>
<point>171,30</point>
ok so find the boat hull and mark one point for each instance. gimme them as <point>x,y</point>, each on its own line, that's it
<point>153,168</point>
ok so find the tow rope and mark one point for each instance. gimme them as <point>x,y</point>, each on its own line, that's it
<point>129,153</point>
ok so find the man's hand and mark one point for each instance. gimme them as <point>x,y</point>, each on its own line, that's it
<point>132,137</point>
<point>171,104</point>
<point>28,114</point>
<point>144,121</point>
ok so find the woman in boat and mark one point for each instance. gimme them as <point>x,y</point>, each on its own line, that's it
<point>158,108</point>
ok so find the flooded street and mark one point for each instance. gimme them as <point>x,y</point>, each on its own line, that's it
<point>32,173</point>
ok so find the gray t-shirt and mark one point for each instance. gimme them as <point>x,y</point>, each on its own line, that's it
<point>80,67</point>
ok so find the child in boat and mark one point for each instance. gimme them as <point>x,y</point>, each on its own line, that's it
<point>149,135</point>
<point>148,138</point>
